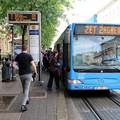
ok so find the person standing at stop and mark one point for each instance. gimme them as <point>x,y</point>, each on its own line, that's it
<point>25,64</point>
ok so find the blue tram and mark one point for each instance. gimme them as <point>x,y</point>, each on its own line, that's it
<point>91,56</point>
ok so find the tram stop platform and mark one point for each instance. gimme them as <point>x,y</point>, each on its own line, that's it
<point>44,105</point>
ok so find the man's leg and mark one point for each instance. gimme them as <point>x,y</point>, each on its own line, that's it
<point>23,84</point>
<point>26,80</point>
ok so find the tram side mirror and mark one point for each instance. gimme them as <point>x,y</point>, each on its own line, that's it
<point>67,36</point>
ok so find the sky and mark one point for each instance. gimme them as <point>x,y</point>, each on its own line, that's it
<point>81,11</point>
<point>84,9</point>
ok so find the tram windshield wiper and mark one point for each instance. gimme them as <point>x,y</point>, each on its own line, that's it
<point>118,68</point>
<point>99,69</point>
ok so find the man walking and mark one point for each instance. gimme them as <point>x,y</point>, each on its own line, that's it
<point>25,63</point>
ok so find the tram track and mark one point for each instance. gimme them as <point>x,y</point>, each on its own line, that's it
<point>102,112</point>
<point>114,99</point>
<point>92,109</point>
<point>97,108</point>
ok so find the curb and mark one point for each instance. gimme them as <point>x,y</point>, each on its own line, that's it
<point>61,107</point>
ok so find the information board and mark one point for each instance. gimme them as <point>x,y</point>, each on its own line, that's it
<point>97,29</point>
<point>34,42</point>
<point>25,17</point>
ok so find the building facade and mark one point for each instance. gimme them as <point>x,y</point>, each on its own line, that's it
<point>5,43</point>
<point>110,13</point>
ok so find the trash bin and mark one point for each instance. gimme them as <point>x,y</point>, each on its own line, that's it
<point>6,71</point>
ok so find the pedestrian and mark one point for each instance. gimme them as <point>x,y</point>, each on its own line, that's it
<point>45,62</point>
<point>52,69</point>
<point>59,67</point>
<point>26,67</point>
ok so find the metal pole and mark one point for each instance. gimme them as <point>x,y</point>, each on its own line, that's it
<point>0,56</point>
<point>39,65</point>
<point>40,69</point>
<point>12,49</point>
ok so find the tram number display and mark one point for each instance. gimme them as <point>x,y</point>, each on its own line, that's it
<point>98,29</point>
<point>18,17</point>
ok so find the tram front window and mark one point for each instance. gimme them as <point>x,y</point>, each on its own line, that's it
<point>98,52</point>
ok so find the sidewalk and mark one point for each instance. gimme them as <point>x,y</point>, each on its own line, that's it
<point>44,105</point>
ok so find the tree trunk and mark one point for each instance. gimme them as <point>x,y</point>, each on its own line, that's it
<point>24,28</point>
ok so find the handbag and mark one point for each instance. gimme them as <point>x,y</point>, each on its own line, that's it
<point>58,72</point>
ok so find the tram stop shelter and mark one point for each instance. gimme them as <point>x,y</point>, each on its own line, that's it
<point>32,19</point>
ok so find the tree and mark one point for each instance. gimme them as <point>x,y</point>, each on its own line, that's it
<point>50,11</point>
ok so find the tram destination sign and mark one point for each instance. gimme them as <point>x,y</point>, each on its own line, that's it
<point>23,17</point>
<point>97,29</point>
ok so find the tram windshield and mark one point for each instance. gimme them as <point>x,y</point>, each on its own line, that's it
<point>96,52</point>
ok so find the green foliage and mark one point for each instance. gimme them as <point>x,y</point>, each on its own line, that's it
<point>50,11</point>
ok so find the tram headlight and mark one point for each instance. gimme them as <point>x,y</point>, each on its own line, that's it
<point>74,81</point>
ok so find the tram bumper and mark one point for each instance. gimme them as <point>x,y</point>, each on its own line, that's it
<point>79,86</point>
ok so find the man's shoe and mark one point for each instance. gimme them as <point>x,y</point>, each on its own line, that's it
<point>23,108</point>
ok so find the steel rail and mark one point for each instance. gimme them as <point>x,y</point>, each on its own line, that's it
<point>92,109</point>
<point>116,101</point>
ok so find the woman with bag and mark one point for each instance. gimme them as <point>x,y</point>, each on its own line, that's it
<point>58,72</point>
<point>52,71</point>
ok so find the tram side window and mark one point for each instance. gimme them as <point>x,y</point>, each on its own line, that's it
<point>118,51</point>
<point>66,50</point>
<point>66,56</point>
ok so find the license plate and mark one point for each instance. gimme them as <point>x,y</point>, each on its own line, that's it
<point>101,88</point>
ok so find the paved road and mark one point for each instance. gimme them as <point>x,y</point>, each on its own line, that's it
<point>44,105</point>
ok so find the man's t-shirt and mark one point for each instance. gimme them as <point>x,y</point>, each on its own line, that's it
<point>24,64</point>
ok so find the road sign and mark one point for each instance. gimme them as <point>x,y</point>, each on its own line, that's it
<point>23,17</point>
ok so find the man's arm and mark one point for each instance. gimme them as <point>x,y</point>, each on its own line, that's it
<point>34,66</point>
